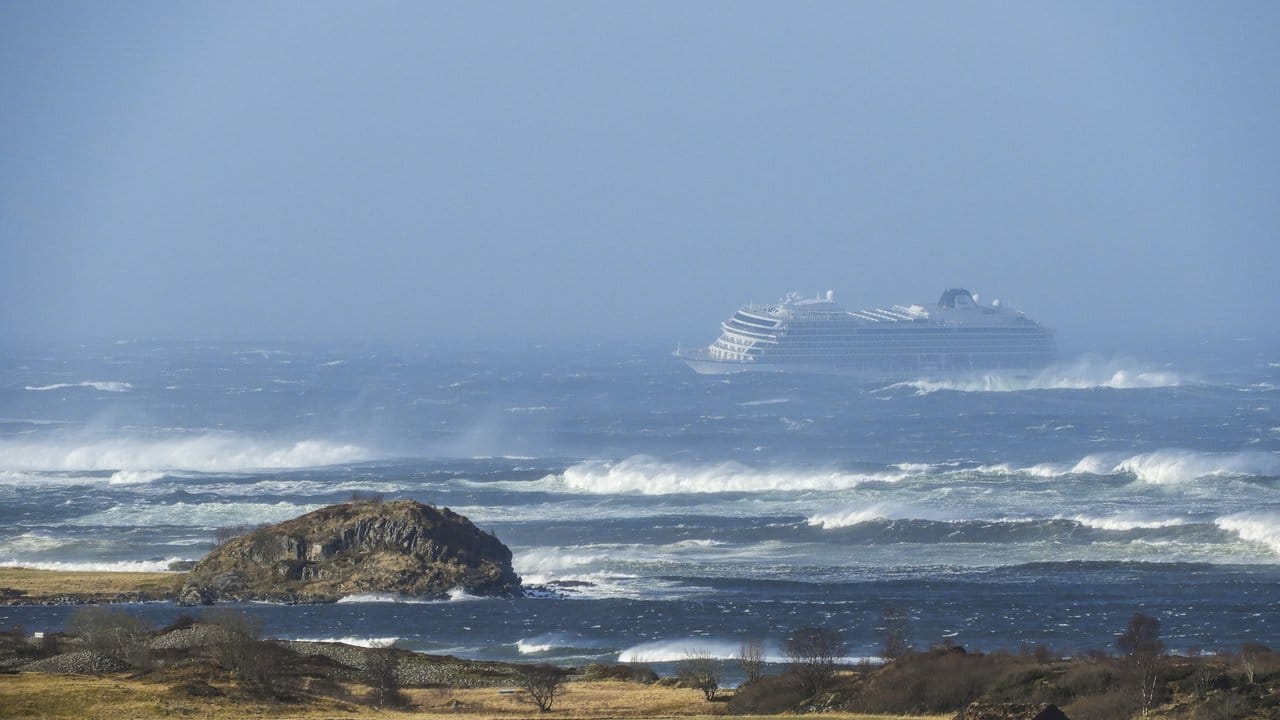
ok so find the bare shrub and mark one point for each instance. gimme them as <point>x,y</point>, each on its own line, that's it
<point>223,534</point>
<point>894,632</point>
<point>542,684</point>
<point>698,670</point>
<point>1140,642</point>
<point>1107,706</point>
<point>1081,679</point>
<point>362,496</point>
<point>626,672</point>
<point>940,681</point>
<point>1254,656</point>
<point>236,645</point>
<point>768,695</point>
<point>812,653</point>
<point>112,631</point>
<point>380,675</point>
<point>181,622</point>
<point>751,659</point>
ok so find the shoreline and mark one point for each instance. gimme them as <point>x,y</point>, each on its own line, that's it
<point>30,586</point>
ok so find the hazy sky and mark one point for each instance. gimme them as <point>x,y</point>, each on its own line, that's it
<point>431,169</point>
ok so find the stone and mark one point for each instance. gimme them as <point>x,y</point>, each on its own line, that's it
<point>399,547</point>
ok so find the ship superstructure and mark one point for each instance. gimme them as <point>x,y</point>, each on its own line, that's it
<point>958,335</point>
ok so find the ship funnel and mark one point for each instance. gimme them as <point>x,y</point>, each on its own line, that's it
<point>831,295</point>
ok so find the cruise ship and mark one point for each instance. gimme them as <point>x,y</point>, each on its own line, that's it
<point>958,336</point>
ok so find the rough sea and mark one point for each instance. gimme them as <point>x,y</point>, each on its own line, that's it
<point>678,512</point>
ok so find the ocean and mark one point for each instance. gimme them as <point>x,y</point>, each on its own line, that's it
<point>678,513</point>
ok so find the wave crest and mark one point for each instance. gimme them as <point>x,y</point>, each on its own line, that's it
<point>100,385</point>
<point>1259,527</point>
<point>1085,374</point>
<point>212,452</point>
<point>644,475</point>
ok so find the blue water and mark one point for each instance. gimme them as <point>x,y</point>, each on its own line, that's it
<point>689,512</point>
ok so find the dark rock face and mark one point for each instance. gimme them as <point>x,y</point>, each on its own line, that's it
<point>401,547</point>
<point>982,710</point>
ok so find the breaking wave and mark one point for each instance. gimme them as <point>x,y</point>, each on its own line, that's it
<point>210,515</point>
<point>380,598</point>
<point>1127,521</point>
<point>102,385</point>
<point>212,452</point>
<point>645,475</point>
<point>365,642</point>
<point>91,566</point>
<point>858,515</point>
<point>1085,374</point>
<point>1259,527</point>
<point>1160,467</point>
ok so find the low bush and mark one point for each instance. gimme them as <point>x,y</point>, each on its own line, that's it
<point>1115,705</point>
<point>768,695</point>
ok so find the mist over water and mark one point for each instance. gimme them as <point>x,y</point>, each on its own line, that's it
<point>676,511</point>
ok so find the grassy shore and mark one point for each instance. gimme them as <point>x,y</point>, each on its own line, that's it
<point>27,586</point>
<point>35,695</point>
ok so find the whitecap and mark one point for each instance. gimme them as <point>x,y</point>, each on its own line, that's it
<point>1255,526</point>
<point>209,452</point>
<point>1084,374</point>
<point>1124,521</point>
<point>365,642</point>
<point>100,385</point>
<point>644,475</point>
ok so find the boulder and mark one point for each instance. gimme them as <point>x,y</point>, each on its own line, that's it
<point>983,710</point>
<point>399,547</point>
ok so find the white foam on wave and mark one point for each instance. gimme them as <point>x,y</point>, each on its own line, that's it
<point>32,543</point>
<point>858,514</point>
<point>770,401</point>
<point>362,598</point>
<point>1159,467</point>
<point>542,565</point>
<point>460,594</point>
<point>100,385</point>
<point>1256,526</point>
<point>94,566</point>
<point>134,477</point>
<point>645,475</point>
<point>209,452</point>
<point>1084,374</point>
<point>1131,520</point>
<point>1176,466</point>
<point>677,650</point>
<point>229,514</point>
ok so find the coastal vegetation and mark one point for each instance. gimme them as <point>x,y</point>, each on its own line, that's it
<point>217,664</point>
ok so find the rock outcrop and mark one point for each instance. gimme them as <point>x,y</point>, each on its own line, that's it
<point>399,547</point>
<point>984,710</point>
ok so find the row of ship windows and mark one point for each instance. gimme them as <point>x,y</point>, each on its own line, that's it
<point>907,343</point>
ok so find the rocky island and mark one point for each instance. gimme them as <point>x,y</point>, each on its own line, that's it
<point>398,547</point>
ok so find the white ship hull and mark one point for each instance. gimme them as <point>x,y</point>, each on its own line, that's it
<point>958,339</point>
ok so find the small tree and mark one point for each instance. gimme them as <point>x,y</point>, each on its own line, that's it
<point>698,670</point>
<point>113,632</point>
<point>380,675</point>
<point>1140,642</point>
<point>813,653</point>
<point>894,629</point>
<point>542,683</point>
<point>236,645</point>
<point>751,658</point>
<point>1250,654</point>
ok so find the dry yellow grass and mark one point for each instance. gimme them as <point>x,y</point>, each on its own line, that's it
<point>32,695</point>
<point>41,584</point>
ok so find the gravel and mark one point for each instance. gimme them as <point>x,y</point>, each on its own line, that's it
<point>77,663</point>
